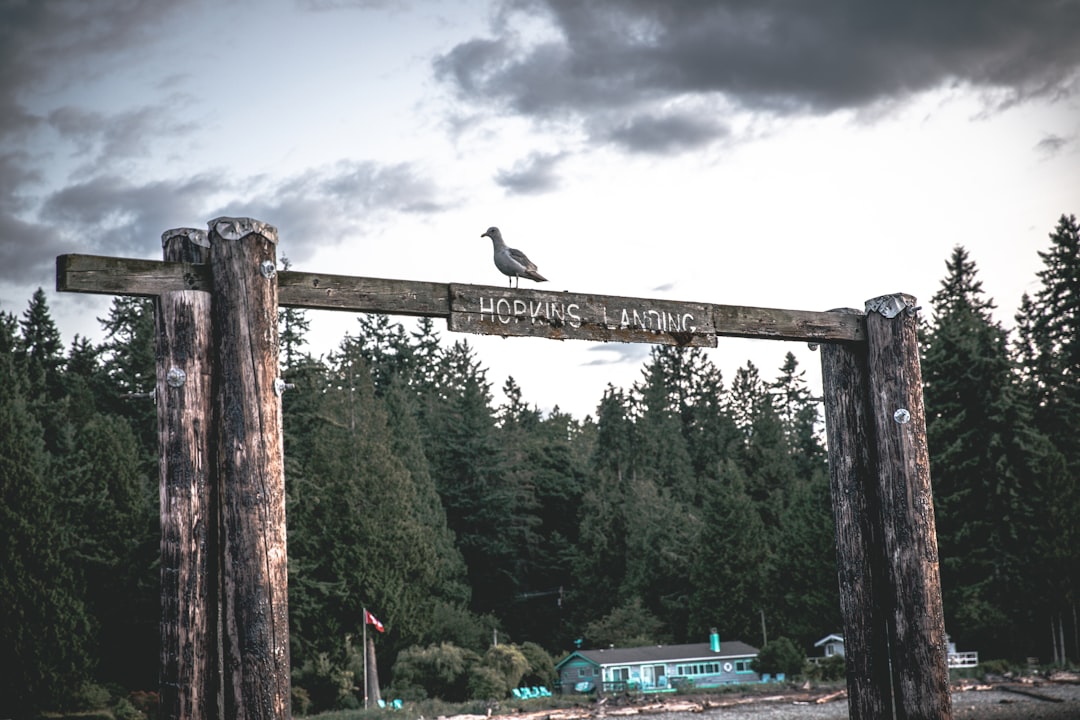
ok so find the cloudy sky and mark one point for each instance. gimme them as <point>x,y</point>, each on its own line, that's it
<point>804,155</point>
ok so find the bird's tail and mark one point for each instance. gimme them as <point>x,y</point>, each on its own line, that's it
<point>533,275</point>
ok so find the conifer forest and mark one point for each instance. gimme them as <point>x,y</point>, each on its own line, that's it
<point>445,502</point>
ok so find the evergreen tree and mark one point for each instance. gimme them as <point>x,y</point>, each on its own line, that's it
<point>358,535</point>
<point>128,360</point>
<point>486,508</point>
<point>986,466</point>
<point>293,326</point>
<point>1048,353</point>
<point>44,628</point>
<point>730,569</point>
<point>40,360</point>
<point>601,554</point>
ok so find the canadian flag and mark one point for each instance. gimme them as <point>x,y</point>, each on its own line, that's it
<point>372,620</point>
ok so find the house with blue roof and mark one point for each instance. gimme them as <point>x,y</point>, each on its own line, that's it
<point>658,668</point>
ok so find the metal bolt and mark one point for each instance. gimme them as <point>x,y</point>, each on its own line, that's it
<point>813,347</point>
<point>902,416</point>
<point>267,269</point>
<point>175,377</point>
<point>281,386</point>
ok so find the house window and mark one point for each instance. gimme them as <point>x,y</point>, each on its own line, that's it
<point>620,673</point>
<point>584,672</point>
<point>742,666</point>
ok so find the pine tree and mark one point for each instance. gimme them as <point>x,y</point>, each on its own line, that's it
<point>44,628</point>
<point>1048,354</point>
<point>984,468</point>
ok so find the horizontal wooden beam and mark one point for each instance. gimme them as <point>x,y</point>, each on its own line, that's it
<point>483,309</point>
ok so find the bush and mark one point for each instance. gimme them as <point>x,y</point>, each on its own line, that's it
<point>301,700</point>
<point>510,663</point>
<point>831,668</point>
<point>541,665</point>
<point>124,710</point>
<point>487,683</point>
<point>441,671</point>
<point>778,656</point>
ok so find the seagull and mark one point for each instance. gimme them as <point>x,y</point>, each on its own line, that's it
<point>511,262</point>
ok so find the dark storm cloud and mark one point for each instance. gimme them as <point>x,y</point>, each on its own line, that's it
<point>110,215</point>
<point>119,135</point>
<point>46,45</point>
<point>532,175</point>
<point>668,133</point>
<point>328,205</point>
<point>777,56</point>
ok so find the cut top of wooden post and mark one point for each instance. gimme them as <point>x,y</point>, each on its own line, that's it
<point>235,228</point>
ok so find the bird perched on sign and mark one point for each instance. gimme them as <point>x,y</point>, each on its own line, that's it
<point>511,262</point>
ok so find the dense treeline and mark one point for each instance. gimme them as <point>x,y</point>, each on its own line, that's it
<point>689,501</point>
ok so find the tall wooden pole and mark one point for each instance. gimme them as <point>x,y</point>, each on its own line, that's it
<point>917,626</point>
<point>864,593</point>
<point>187,688</point>
<point>255,611</point>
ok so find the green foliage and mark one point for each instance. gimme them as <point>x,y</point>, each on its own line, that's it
<point>541,665</point>
<point>510,665</point>
<point>629,625</point>
<point>688,503</point>
<point>829,669</point>
<point>442,671</point>
<point>779,656</point>
<point>487,683</point>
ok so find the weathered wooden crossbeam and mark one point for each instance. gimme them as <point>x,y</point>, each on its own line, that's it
<point>483,309</point>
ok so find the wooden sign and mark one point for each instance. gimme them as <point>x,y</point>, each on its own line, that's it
<point>572,316</point>
<point>483,309</point>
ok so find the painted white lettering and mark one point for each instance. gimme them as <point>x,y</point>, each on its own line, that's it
<point>504,315</point>
<point>572,312</point>
<point>490,309</point>
<point>555,314</point>
<point>534,310</point>
<point>519,310</point>
<point>685,325</point>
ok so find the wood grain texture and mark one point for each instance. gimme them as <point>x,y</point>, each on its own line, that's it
<point>917,625</point>
<point>863,579</point>
<point>528,312</point>
<point>188,651</point>
<point>255,626</point>
<point>188,515</point>
<point>575,316</point>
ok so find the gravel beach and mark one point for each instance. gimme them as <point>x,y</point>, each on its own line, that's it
<point>1058,701</point>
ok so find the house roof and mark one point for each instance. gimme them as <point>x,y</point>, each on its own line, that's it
<point>662,653</point>
<point>828,639</point>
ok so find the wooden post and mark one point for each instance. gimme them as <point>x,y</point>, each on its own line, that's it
<point>255,611</point>
<point>859,557</point>
<point>188,514</point>
<point>917,625</point>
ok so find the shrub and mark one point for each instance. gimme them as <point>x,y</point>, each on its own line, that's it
<point>487,683</point>
<point>510,663</point>
<point>778,656</point>
<point>831,668</point>
<point>441,671</point>
<point>541,665</point>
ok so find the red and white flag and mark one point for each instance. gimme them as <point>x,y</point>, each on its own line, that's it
<point>372,620</point>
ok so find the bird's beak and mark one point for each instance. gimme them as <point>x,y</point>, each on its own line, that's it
<point>484,235</point>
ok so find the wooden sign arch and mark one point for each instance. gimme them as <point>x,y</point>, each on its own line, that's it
<point>222,478</point>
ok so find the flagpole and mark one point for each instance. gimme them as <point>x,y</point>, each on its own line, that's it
<point>365,660</point>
